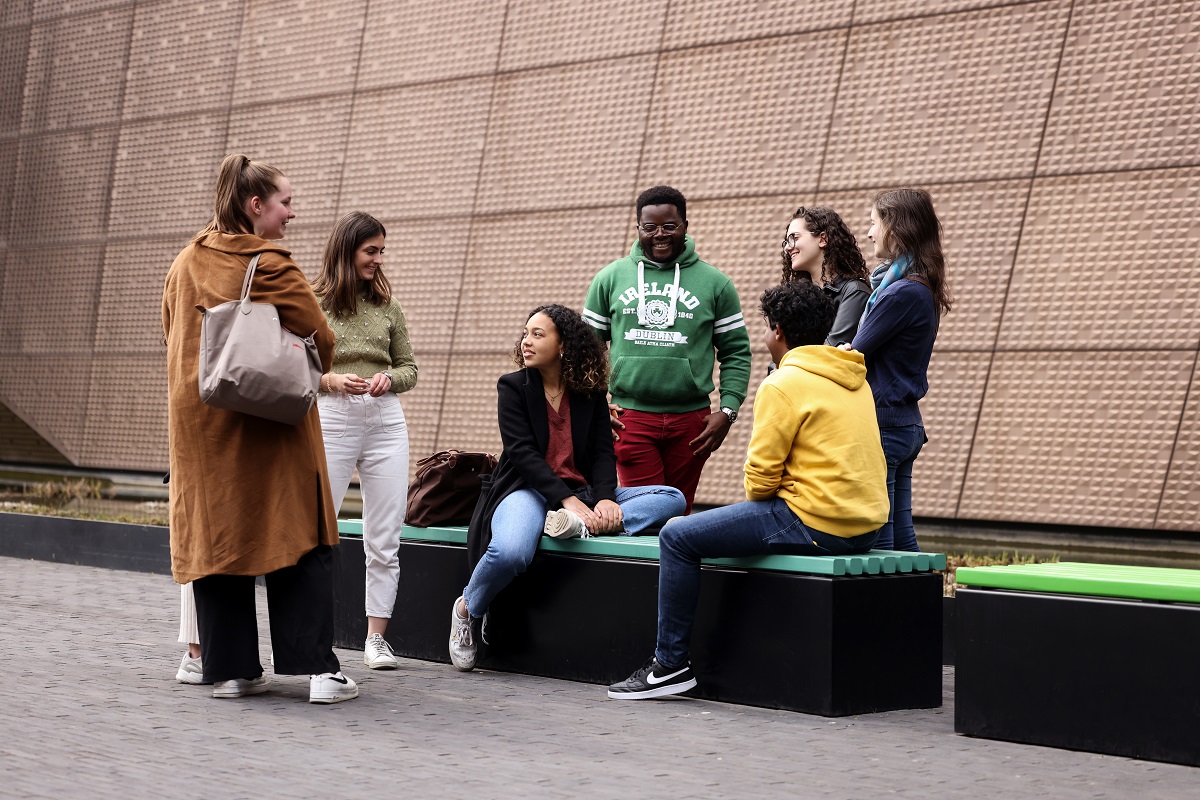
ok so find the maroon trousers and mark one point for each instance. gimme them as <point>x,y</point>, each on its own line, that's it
<point>653,450</point>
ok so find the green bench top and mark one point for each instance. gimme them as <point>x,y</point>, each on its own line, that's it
<point>876,562</point>
<point>1105,580</point>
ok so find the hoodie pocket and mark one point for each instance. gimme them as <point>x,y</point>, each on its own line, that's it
<point>654,379</point>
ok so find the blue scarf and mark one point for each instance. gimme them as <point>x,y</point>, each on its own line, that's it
<point>895,271</point>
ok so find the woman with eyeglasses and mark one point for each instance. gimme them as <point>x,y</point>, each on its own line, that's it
<point>819,247</point>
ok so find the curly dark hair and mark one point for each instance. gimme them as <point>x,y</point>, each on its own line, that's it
<point>803,312</point>
<point>843,258</point>
<point>662,196</point>
<point>584,364</point>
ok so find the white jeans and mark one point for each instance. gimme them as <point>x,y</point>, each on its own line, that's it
<point>189,630</point>
<point>370,433</point>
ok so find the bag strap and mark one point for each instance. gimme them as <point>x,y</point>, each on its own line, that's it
<point>249,278</point>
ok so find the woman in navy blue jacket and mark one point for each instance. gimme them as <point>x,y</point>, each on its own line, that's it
<point>896,336</point>
<point>557,473</point>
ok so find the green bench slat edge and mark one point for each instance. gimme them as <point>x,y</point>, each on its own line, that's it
<point>873,563</point>
<point>1099,580</point>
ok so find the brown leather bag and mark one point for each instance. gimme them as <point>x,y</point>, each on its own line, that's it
<point>446,488</point>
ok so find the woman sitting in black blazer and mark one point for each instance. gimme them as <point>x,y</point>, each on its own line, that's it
<point>557,474</point>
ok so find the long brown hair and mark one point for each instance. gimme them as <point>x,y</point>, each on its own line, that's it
<point>337,285</point>
<point>911,227</point>
<point>239,179</point>
<point>843,258</point>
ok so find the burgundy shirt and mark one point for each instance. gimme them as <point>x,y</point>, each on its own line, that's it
<point>560,452</point>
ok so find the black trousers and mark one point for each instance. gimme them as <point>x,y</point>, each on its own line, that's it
<point>300,604</point>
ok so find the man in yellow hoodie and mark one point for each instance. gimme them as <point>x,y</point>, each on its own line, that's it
<point>816,479</point>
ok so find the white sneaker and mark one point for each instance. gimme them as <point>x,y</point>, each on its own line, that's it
<point>331,687</point>
<point>463,648</point>
<point>377,653</point>
<point>191,670</point>
<point>240,687</point>
<point>565,524</point>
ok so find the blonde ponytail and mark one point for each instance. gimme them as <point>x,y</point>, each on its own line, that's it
<point>239,179</point>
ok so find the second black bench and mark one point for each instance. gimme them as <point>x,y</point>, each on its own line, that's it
<point>823,635</point>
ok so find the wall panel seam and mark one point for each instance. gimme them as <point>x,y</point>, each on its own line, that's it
<point>362,38</point>
<point>637,169</point>
<point>950,12</point>
<point>105,214</point>
<point>233,80</point>
<point>84,12</point>
<point>1012,267</point>
<point>837,93</point>
<point>1175,441</point>
<point>458,300</point>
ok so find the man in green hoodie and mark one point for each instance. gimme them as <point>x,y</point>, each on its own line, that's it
<point>666,314</point>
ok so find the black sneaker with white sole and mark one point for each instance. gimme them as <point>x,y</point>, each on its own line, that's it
<point>653,680</point>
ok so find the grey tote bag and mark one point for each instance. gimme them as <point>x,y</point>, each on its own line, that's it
<point>250,363</point>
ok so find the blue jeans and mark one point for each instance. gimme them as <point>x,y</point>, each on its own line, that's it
<point>900,448</point>
<point>517,527</point>
<point>757,527</point>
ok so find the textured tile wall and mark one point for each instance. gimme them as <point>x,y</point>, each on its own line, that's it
<point>292,48</point>
<point>22,444</point>
<point>75,69</point>
<point>539,34</point>
<point>760,108</point>
<point>182,56</point>
<point>565,137</point>
<point>1076,438</point>
<point>157,188</point>
<point>309,136</point>
<point>410,41</point>
<point>1180,506</point>
<point>1128,86</point>
<point>415,151</point>
<point>947,98</point>
<point>696,22</point>
<point>502,143</point>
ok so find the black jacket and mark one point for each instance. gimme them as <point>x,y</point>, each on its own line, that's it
<point>849,298</point>
<point>525,431</point>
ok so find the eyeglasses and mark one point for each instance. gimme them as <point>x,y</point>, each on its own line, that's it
<point>791,239</point>
<point>650,228</point>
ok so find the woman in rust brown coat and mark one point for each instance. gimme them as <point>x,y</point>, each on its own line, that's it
<point>250,496</point>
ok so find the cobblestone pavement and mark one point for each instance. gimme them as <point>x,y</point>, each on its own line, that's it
<point>92,709</point>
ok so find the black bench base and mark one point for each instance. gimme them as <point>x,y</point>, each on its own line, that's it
<point>821,645</point>
<point>1104,676</point>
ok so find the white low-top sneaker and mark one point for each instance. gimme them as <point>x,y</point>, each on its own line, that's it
<point>331,687</point>
<point>563,523</point>
<point>378,654</point>
<point>240,687</point>
<point>463,648</point>
<point>191,670</point>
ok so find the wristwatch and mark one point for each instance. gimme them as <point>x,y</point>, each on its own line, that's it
<point>730,412</point>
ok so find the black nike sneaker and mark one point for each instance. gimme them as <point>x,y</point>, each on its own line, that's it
<point>653,680</point>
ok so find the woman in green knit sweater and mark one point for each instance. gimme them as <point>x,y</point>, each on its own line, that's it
<point>361,418</point>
